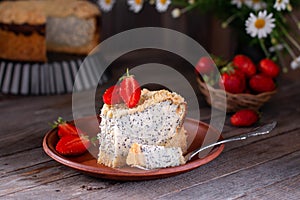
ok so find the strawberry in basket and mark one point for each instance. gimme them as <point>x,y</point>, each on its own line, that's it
<point>247,84</point>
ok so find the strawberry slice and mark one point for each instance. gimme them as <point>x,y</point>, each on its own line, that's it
<point>130,90</point>
<point>112,96</point>
<point>65,128</point>
<point>72,145</point>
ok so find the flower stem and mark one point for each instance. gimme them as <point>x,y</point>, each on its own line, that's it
<point>289,37</point>
<point>229,20</point>
<point>289,50</point>
<point>263,47</point>
<point>296,21</point>
<point>191,6</point>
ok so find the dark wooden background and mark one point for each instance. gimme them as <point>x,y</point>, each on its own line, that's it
<point>204,28</point>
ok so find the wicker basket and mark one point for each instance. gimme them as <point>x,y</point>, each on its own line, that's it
<point>234,102</point>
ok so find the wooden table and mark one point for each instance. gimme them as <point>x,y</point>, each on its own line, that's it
<point>266,167</point>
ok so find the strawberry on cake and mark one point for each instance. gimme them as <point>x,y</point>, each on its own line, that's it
<point>131,115</point>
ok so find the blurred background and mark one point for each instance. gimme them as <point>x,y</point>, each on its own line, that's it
<point>204,28</point>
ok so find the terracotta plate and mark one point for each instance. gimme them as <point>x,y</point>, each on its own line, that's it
<point>87,162</point>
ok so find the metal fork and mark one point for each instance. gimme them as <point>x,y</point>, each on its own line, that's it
<point>265,129</point>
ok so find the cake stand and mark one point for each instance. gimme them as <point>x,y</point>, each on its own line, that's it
<point>53,77</point>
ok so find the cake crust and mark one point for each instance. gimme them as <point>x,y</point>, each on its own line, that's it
<point>148,98</point>
<point>36,12</point>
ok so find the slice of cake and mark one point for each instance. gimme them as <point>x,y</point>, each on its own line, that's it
<point>156,120</point>
<point>152,156</point>
<point>28,29</point>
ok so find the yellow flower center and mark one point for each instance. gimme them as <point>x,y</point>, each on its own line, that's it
<point>107,1</point>
<point>163,1</point>
<point>138,2</point>
<point>260,23</point>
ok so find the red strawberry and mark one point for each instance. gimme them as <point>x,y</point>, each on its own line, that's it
<point>234,80</point>
<point>262,83</point>
<point>205,65</point>
<point>72,145</point>
<point>65,129</point>
<point>269,67</point>
<point>112,95</point>
<point>130,90</point>
<point>246,117</point>
<point>245,64</point>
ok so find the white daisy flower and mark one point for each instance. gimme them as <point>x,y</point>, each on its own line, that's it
<point>176,13</point>
<point>135,5</point>
<point>256,4</point>
<point>106,5</point>
<point>238,3</point>
<point>260,25</point>
<point>295,63</point>
<point>281,4</point>
<point>162,5</point>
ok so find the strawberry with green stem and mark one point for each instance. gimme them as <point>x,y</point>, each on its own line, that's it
<point>232,79</point>
<point>205,65</point>
<point>73,141</point>
<point>245,64</point>
<point>64,128</point>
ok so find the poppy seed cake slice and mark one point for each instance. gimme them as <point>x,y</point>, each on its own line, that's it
<point>152,156</point>
<point>156,120</point>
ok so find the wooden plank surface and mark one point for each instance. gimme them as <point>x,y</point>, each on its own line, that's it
<point>236,185</point>
<point>230,164</point>
<point>259,168</point>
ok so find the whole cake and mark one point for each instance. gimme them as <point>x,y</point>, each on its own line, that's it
<point>157,120</point>
<point>28,29</point>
